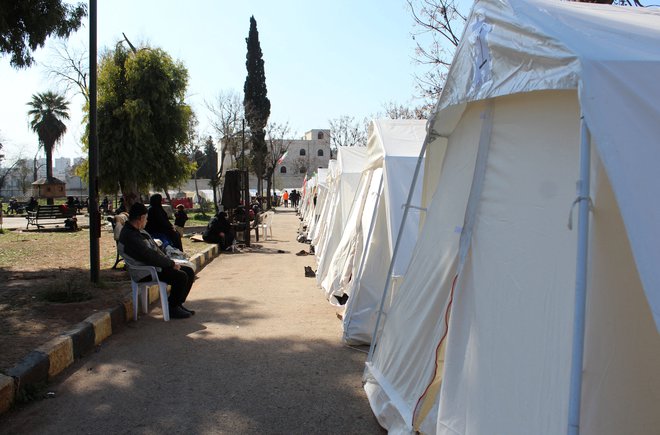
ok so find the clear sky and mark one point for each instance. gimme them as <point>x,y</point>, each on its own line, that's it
<point>323,59</point>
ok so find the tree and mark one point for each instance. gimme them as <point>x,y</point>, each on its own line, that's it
<point>212,163</point>
<point>256,104</point>
<point>438,27</point>
<point>23,172</point>
<point>278,145</point>
<point>347,131</point>
<point>25,25</point>
<point>299,165</point>
<point>399,111</point>
<point>48,109</point>
<point>192,149</point>
<point>143,122</point>
<point>70,68</point>
<point>11,170</point>
<point>227,120</point>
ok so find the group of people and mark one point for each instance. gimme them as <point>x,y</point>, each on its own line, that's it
<point>294,197</point>
<point>15,207</point>
<point>142,225</point>
<point>139,246</point>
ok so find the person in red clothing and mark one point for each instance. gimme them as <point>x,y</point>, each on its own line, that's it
<point>285,198</point>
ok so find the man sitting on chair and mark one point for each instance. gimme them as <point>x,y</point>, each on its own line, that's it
<point>142,249</point>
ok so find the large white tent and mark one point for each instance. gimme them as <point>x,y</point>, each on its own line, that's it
<point>480,336</point>
<point>350,161</point>
<point>323,203</point>
<point>360,265</point>
<point>317,199</point>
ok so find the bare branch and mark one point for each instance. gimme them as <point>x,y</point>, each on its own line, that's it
<point>70,68</point>
<point>438,26</point>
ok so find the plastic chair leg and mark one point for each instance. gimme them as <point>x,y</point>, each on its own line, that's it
<point>135,291</point>
<point>144,293</point>
<point>164,302</point>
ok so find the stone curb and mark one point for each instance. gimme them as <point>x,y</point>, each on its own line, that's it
<point>51,358</point>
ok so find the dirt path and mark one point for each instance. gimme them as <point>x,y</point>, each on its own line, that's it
<point>262,355</point>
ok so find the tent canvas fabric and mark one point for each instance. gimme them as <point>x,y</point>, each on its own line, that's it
<point>489,350</point>
<point>350,162</point>
<point>320,193</point>
<point>323,202</point>
<point>392,154</point>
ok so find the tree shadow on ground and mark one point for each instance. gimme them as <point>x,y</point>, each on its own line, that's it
<point>181,377</point>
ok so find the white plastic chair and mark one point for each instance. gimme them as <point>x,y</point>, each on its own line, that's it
<point>267,224</point>
<point>142,288</point>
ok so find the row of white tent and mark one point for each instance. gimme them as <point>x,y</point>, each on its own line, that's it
<point>498,315</point>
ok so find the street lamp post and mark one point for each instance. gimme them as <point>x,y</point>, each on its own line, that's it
<point>92,207</point>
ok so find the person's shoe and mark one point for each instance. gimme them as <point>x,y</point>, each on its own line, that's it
<point>179,313</point>
<point>192,312</point>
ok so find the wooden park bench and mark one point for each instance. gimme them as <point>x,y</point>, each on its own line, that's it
<point>48,213</point>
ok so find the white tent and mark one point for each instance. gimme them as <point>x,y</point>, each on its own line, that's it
<point>326,181</point>
<point>480,336</point>
<point>360,265</point>
<point>320,190</point>
<point>350,161</point>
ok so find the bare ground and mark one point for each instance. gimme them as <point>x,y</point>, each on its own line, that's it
<point>263,354</point>
<point>34,265</point>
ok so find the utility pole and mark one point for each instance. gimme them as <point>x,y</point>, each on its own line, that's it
<point>92,205</point>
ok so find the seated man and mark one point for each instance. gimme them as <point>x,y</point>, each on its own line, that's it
<point>219,231</point>
<point>140,247</point>
<point>32,204</point>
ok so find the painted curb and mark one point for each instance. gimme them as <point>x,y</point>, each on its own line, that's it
<point>60,354</point>
<point>51,358</point>
<point>6,392</point>
<point>102,326</point>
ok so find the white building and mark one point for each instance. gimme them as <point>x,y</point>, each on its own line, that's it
<point>304,156</point>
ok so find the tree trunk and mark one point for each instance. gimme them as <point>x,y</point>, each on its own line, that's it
<point>196,187</point>
<point>49,162</point>
<point>49,169</point>
<point>215,195</point>
<point>130,193</point>
<point>269,184</point>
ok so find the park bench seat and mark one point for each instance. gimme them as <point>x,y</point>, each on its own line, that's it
<point>48,213</point>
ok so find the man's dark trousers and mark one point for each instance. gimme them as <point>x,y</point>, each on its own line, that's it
<point>180,280</point>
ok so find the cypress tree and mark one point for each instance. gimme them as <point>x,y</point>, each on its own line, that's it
<point>256,103</point>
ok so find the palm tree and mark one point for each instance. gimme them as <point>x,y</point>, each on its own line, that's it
<point>47,111</point>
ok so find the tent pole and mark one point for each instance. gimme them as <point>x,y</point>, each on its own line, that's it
<point>406,207</point>
<point>580,283</point>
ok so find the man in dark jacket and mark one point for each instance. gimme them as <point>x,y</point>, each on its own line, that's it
<point>219,231</point>
<point>142,249</point>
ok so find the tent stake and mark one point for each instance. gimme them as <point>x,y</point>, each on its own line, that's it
<point>580,283</point>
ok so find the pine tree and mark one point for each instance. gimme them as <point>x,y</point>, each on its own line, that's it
<point>256,103</point>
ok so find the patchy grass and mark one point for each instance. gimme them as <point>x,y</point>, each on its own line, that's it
<point>32,250</point>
